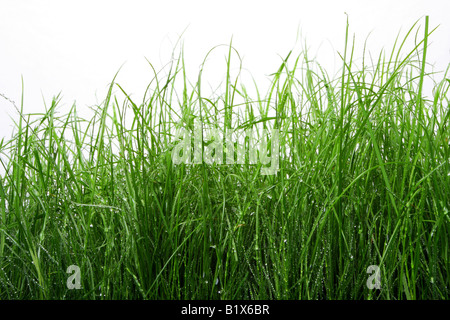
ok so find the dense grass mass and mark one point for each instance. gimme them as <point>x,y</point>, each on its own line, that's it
<point>364,179</point>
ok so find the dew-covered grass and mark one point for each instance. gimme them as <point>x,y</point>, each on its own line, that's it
<point>363,179</point>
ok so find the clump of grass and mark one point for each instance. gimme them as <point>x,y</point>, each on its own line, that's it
<point>363,180</point>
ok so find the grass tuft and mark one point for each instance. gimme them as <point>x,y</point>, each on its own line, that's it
<point>363,179</point>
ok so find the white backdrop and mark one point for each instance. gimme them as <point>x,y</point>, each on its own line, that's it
<point>76,47</point>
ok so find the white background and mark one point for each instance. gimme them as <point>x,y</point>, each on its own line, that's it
<point>76,47</point>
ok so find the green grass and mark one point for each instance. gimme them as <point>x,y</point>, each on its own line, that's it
<point>364,180</point>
